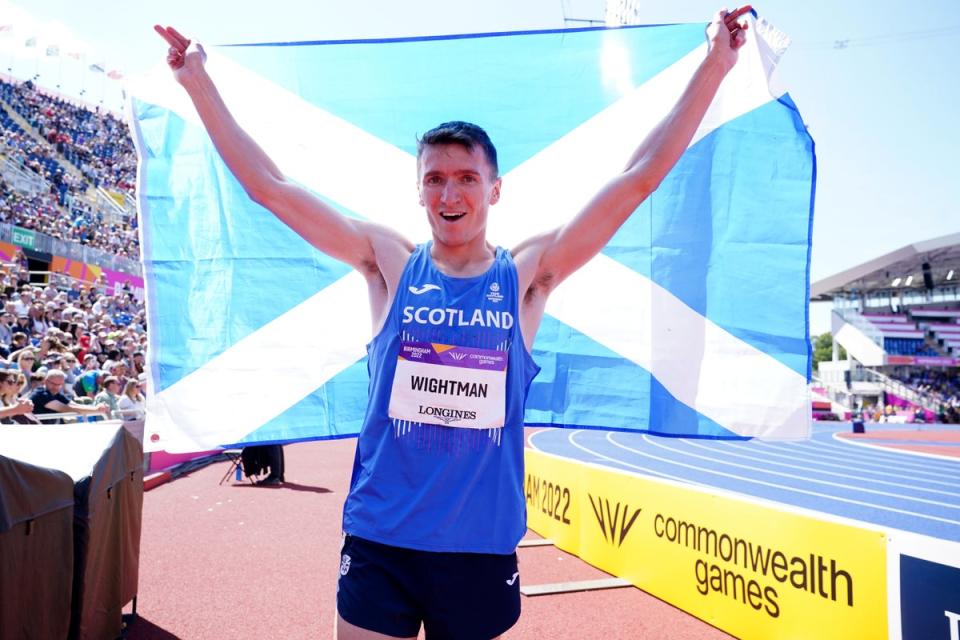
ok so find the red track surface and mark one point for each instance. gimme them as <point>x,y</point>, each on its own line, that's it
<point>238,561</point>
<point>928,436</point>
<point>887,439</point>
<point>926,448</point>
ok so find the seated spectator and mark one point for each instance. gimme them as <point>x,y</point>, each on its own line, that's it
<point>109,395</point>
<point>48,399</point>
<point>70,367</point>
<point>87,384</point>
<point>13,408</point>
<point>90,362</point>
<point>32,382</point>
<point>118,369</point>
<point>26,361</point>
<point>6,328</point>
<point>23,324</point>
<point>19,342</point>
<point>132,404</point>
<point>21,306</point>
<point>137,363</point>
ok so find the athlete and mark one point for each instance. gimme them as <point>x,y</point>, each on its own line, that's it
<point>436,504</point>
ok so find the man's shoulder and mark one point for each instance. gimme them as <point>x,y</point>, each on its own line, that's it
<point>41,397</point>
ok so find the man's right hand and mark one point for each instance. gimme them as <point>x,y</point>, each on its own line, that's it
<point>186,59</point>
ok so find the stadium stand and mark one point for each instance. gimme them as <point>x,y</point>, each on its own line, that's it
<point>66,181</point>
<point>74,152</point>
<point>98,144</point>
<point>898,318</point>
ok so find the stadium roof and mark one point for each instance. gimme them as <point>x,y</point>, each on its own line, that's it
<point>943,255</point>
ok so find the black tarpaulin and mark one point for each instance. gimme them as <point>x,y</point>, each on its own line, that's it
<point>104,464</point>
<point>36,551</point>
<point>107,520</point>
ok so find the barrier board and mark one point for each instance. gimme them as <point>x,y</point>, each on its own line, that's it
<point>924,589</point>
<point>751,570</point>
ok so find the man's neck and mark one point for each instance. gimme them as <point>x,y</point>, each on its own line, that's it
<point>463,261</point>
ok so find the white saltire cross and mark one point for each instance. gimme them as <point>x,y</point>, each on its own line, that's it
<point>698,362</point>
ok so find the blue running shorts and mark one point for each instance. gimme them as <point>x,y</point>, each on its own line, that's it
<point>392,590</point>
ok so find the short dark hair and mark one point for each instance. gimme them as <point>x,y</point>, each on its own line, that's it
<point>465,134</point>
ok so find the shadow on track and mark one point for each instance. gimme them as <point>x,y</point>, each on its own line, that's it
<point>143,629</point>
<point>292,486</point>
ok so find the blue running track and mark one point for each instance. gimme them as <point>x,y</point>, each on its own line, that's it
<point>883,487</point>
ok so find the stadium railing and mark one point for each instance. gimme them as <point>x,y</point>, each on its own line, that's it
<point>21,180</point>
<point>863,324</point>
<point>113,211</point>
<point>903,390</point>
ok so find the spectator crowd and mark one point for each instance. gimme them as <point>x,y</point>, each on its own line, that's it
<point>942,386</point>
<point>99,145</point>
<point>71,349</point>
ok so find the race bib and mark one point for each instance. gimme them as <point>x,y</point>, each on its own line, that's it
<point>449,385</point>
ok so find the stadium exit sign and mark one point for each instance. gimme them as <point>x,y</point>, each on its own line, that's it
<point>24,237</point>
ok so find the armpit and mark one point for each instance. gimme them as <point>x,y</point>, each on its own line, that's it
<point>540,287</point>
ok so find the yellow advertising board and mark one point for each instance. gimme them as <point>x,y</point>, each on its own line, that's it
<point>749,569</point>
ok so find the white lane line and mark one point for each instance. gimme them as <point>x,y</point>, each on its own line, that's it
<point>794,476</point>
<point>644,471</point>
<point>844,453</point>
<point>785,488</point>
<point>899,485</point>
<point>905,458</point>
<point>894,449</point>
<point>534,435</point>
<point>883,470</point>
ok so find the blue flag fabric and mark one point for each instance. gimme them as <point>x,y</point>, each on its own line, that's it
<point>692,321</point>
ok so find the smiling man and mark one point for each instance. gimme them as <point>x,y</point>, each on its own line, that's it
<point>436,504</point>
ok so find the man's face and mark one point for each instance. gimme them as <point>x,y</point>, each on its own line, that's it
<point>54,384</point>
<point>457,188</point>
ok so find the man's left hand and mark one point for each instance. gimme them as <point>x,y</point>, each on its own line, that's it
<point>726,34</point>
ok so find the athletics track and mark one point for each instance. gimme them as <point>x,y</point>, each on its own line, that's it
<point>897,476</point>
<point>236,561</point>
<point>230,560</point>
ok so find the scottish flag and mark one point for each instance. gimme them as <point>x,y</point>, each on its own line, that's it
<point>692,321</point>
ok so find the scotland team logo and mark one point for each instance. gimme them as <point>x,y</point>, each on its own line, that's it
<point>494,295</point>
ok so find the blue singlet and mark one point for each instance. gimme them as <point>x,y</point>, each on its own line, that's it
<point>435,487</point>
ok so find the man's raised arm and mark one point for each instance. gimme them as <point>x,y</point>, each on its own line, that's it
<point>547,259</point>
<point>338,236</point>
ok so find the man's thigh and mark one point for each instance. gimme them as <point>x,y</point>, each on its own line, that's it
<point>347,631</point>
